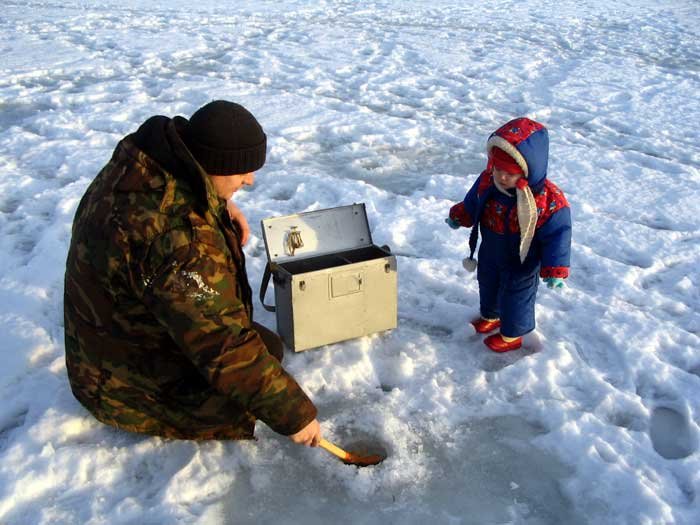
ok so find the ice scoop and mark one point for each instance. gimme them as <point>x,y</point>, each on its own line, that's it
<point>351,458</point>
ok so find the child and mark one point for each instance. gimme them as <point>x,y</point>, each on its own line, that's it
<point>525,226</point>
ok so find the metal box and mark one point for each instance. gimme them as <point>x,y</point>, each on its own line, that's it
<point>331,283</point>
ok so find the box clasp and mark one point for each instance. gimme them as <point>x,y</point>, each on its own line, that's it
<point>346,283</point>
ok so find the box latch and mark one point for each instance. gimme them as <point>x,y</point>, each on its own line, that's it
<point>346,283</point>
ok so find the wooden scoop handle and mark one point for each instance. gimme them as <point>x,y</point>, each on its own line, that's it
<point>336,451</point>
<point>350,458</point>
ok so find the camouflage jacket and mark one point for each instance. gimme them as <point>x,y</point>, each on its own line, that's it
<point>157,303</point>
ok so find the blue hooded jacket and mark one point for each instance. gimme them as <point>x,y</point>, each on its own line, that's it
<point>494,209</point>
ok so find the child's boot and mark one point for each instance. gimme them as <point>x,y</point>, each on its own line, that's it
<point>500,343</point>
<point>484,326</point>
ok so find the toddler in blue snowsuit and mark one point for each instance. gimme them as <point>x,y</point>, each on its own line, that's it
<point>525,224</point>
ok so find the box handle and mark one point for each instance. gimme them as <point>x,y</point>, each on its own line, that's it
<point>263,287</point>
<point>294,240</point>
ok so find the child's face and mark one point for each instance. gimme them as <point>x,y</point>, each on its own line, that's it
<point>505,179</point>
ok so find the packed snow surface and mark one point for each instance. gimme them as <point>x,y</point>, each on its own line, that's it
<point>387,103</point>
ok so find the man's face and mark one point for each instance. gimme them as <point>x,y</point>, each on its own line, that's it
<point>227,185</point>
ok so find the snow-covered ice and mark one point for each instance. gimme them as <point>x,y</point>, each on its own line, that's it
<point>388,103</point>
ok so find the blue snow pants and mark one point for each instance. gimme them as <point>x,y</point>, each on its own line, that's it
<point>507,288</point>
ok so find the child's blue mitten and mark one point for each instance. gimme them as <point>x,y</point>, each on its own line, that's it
<point>452,223</point>
<point>554,282</point>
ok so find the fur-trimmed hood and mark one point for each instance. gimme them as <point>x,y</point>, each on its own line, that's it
<point>527,142</point>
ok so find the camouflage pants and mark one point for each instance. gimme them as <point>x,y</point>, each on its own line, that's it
<point>217,417</point>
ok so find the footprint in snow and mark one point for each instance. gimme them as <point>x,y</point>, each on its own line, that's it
<point>9,422</point>
<point>671,434</point>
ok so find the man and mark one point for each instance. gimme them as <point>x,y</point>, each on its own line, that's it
<point>158,309</point>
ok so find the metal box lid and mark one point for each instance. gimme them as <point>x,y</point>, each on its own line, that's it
<point>317,232</point>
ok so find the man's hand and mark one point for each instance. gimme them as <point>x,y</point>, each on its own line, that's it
<point>309,436</point>
<point>237,216</point>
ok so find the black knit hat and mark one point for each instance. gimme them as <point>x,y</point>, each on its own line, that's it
<point>226,139</point>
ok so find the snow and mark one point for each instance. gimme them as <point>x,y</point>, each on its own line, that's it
<point>387,103</point>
